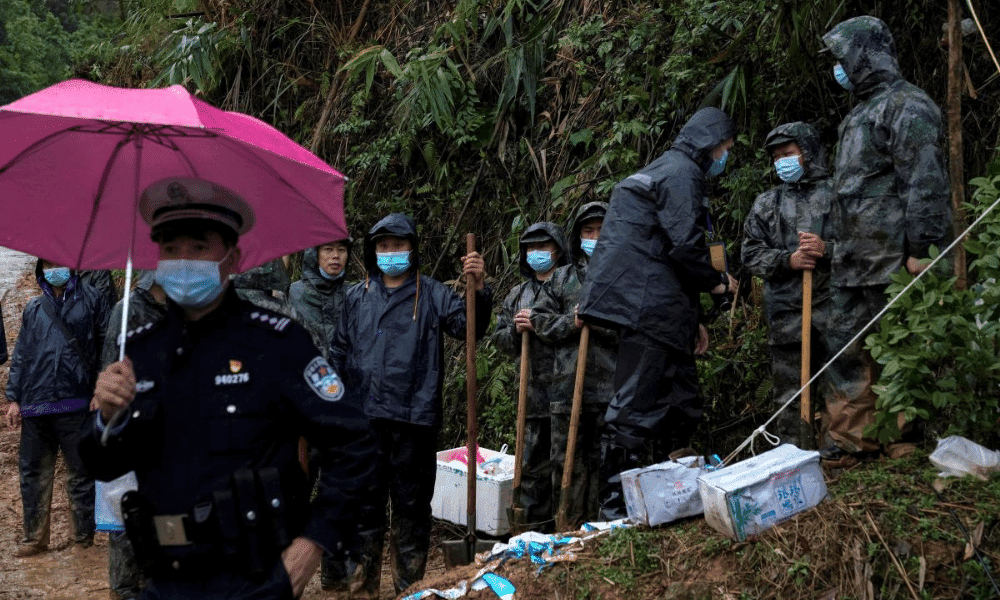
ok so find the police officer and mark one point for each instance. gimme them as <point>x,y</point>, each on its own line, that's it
<point>216,394</point>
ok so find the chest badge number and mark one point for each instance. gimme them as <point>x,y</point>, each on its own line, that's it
<point>324,380</point>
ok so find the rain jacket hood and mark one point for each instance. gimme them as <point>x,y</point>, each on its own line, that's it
<point>540,232</point>
<point>396,224</point>
<point>708,128</point>
<point>590,210</point>
<point>865,48</point>
<point>807,138</point>
<point>317,301</point>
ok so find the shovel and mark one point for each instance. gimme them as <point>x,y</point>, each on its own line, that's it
<point>464,552</point>
<point>807,439</point>
<point>516,516</point>
<point>574,425</point>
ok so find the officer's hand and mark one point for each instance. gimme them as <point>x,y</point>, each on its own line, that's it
<point>474,267</point>
<point>916,265</point>
<point>811,244</point>
<point>522,321</point>
<point>301,559</point>
<point>801,261</point>
<point>115,388</point>
<point>13,415</point>
<point>701,345</point>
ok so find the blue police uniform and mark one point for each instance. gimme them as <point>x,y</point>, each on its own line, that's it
<point>212,435</point>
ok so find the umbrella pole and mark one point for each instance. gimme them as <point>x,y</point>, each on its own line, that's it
<point>125,299</point>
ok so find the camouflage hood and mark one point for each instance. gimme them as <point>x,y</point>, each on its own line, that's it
<point>540,232</point>
<point>865,48</point>
<point>807,138</point>
<point>588,211</point>
<point>708,128</point>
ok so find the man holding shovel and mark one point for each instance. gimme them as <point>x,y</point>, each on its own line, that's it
<point>542,251</point>
<point>390,347</point>
<point>781,242</point>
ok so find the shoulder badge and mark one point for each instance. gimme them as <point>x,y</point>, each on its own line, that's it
<point>136,332</point>
<point>324,380</point>
<point>269,320</point>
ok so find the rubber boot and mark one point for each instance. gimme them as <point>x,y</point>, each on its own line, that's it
<point>614,460</point>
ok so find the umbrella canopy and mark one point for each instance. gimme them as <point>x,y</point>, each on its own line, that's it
<point>75,157</point>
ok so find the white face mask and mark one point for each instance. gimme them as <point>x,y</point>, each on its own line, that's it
<point>190,283</point>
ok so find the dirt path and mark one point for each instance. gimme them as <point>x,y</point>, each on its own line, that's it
<point>64,573</point>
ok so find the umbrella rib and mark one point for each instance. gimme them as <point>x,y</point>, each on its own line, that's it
<point>100,192</point>
<point>35,146</point>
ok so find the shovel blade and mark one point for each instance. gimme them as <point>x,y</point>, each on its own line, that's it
<point>462,552</point>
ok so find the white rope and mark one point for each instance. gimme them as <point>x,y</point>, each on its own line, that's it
<point>874,320</point>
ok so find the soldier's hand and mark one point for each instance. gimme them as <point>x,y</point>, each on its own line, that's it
<point>701,344</point>
<point>577,321</point>
<point>13,415</point>
<point>801,261</point>
<point>115,388</point>
<point>731,286</point>
<point>522,321</point>
<point>916,266</point>
<point>301,559</point>
<point>474,267</point>
<point>811,244</point>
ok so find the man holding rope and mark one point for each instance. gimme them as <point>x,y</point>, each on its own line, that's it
<point>891,206</point>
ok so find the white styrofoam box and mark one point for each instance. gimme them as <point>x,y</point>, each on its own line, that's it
<point>748,497</point>
<point>663,492</point>
<point>493,494</point>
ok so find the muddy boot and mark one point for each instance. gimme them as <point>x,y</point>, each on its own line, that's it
<point>367,577</point>
<point>334,574</point>
<point>614,460</point>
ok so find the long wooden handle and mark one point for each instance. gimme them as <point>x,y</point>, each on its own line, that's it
<point>805,404</point>
<point>574,425</point>
<point>522,409</point>
<point>470,388</point>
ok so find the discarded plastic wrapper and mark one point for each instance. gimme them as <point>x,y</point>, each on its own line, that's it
<point>456,592</point>
<point>108,501</point>
<point>501,586</point>
<point>663,492</point>
<point>749,497</point>
<point>957,456</point>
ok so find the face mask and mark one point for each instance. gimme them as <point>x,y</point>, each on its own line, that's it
<point>588,246</point>
<point>329,277</point>
<point>540,260</point>
<point>190,283</point>
<point>841,76</point>
<point>56,276</point>
<point>789,168</point>
<point>393,263</point>
<point>718,166</point>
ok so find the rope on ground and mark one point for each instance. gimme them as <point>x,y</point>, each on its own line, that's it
<point>875,319</point>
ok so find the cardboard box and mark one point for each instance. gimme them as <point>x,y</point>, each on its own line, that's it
<point>493,493</point>
<point>748,497</point>
<point>663,492</point>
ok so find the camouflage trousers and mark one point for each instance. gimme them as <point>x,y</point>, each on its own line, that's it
<point>536,475</point>
<point>41,439</point>
<point>850,399</point>
<point>583,491</point>
<point>786,377</point>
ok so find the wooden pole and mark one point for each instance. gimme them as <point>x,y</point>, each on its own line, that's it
<point>517,512</point>
<point>956,168</point>
<point>562,518</point>
<point>807,437</point>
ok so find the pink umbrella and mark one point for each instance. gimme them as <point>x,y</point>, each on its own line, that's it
<point>74,158</point>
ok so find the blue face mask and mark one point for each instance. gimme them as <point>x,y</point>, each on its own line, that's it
<point>789,168</point>
<point>718,166</point>
<point>56,276</point>
<point>190,283</point>
<point>393,263</point>
<point>540,260</point>
<point>588,246</point>
<point>841,76</point>
<point>329,277</point>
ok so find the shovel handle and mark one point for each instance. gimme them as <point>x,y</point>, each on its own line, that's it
<point>574,426</point>
<point>805,402</point>
<point>470,390</point>
<point>522,409</point>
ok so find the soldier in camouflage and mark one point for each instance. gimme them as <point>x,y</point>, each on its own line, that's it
<point>891,205</point>
<point>781,238</point>
<point>267,287</point>
<point>542,251</point>
<point>556,323</point>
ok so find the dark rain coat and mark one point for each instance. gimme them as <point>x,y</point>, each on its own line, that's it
<point>525,295</point>
<point>554,319</point>
<point>389,345</point>
<point>770,236</point>
<point>47,374</point>
<point>892,187</point>
<point>317,301</point>
<point>651,261</point>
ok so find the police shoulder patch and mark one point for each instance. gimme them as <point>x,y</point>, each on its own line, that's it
<point>324,380</point>
<point>269,320</point>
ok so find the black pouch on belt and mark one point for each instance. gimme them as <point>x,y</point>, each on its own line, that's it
<point>140,530</point>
